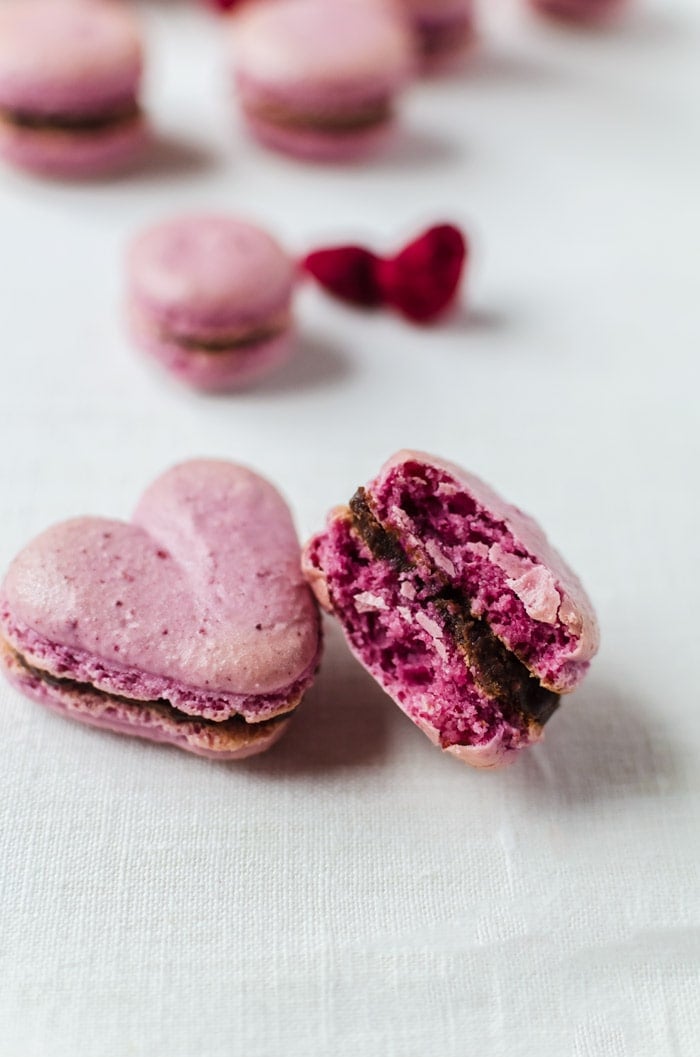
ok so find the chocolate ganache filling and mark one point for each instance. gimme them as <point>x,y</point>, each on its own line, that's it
<point>231,725</point>
<point>76,123</point>
<point>363,117</point>
<point>257,336</point>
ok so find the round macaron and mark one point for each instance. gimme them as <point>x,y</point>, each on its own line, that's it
<point>210,298</point>
<point>444,29</point>
<point>586,12</point>
<point>69,82</point>
<point>318,79</point>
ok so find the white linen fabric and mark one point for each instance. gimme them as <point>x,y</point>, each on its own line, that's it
<point>352,892</point>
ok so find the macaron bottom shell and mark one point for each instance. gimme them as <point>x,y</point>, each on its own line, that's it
<point>151,721</point>
<point>220,371</point>
<point>308,144</point>
<point>65,153</point>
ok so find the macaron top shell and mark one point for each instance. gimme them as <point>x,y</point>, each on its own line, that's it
<point>75,56</point>
<point>204,585</point>
<point>209,272</point>
<point>327,45</point>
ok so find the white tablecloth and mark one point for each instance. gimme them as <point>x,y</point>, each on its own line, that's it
<point>353,893</point>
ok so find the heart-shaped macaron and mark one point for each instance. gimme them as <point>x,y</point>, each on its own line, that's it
<point>191,624</point>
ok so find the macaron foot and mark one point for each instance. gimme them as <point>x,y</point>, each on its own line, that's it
<point>309,144</point>
<point>66,154</point>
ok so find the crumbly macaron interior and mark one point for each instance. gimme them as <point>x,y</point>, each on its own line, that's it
<point>443,667</point>
<point>460,542</point>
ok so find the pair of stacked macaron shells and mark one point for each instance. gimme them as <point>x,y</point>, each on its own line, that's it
<point>195,623</point>
<point>70,76</point>
<point>210,298</point>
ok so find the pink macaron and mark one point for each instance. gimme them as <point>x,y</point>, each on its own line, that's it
<point>69,83</point>
<point>457,604</point>
<point>585,12</point>
<point>444,30</point>
<point>210,298</point>
<point>318,79</point>
<point>191,624</point>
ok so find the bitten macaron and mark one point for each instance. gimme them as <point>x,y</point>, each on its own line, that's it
<point>190,625</point>
<point>457,604</point>
<point>319,79</point>
<point>210,298</point>
<point>69,86</point>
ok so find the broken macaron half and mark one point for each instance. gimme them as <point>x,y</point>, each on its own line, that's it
<point>457,604</point>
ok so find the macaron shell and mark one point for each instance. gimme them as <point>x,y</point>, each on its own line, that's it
<point>204,274</point>
<point>308,145</point>
<point>151,722</point>
<point>75,56</point>
<point>203,587</point>
<point>57,153</point>
<point>215,372</point>
<point>487,756</point>
<point>335,45</point>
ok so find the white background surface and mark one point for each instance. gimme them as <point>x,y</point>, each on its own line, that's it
<point>354,893</point>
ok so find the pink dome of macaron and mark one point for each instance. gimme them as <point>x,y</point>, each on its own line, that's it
<point>69,82</point>
<point>210,298</point>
